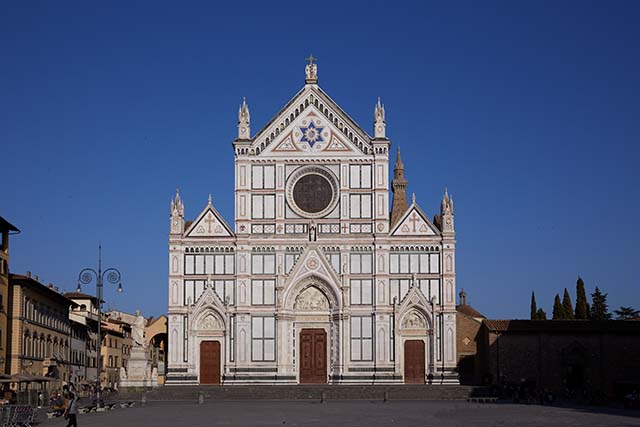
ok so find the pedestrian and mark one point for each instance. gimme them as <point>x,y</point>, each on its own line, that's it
<point>71,413</point>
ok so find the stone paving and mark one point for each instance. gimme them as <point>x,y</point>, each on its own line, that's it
<point>352,413</point>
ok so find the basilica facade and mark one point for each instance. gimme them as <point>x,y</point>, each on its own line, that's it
<point>316,280</point>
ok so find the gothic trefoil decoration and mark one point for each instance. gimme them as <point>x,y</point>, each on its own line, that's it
<point>244,118</point>
<point>379,123</point>
<point>311,134</point>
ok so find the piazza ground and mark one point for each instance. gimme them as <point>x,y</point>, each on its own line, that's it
<point>353,413</point>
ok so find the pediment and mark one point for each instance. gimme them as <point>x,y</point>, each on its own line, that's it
<point>312,262</point>
<point>310,124</point>
<point>206,302</point>
<point>414,304</point>
<point>414,223</point>
<point>209,224</point>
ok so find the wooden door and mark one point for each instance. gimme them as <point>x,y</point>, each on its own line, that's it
<point>313,356</point>
<point>210,362</point>
<point>414,362</point>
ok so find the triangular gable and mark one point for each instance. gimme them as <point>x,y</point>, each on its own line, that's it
<point>312,261</point>
<point>209,224</point>
<point>208,301</point>
<point>311,99</point>
<point>414,223</point>
<point>310,134</point>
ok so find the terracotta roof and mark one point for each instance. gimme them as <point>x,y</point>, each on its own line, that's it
<point>562,326</point>
<point>80,295</point>
<point>6,225</point>
<point>468,310</point>
<point>34,284</point>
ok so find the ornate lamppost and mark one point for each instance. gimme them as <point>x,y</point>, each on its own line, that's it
<point>109,275</point>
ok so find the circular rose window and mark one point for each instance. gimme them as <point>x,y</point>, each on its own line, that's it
<point>312,191</point>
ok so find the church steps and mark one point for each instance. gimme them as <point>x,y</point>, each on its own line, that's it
<point>301,392</point>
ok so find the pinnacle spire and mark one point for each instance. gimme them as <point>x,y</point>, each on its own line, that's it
<point>379,124</point>
<point>244,120</point>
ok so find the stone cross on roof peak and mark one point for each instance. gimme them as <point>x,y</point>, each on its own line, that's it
<point>311,70</point>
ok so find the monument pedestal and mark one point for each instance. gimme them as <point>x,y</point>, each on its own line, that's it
<point>139,372</point>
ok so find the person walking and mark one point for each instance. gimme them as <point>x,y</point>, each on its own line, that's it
<point>71,413</point>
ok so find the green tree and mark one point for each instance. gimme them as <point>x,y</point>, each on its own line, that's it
<point>541,315</point>
<point>534,308</point>
<point>567,306</point>
<point>558,309</point>
<point>624,313</point>
<point>582,306</point>
<point>599,309</point>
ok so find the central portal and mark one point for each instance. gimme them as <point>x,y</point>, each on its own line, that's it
<point>313,356</point>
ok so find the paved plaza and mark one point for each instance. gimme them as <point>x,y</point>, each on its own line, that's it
<point>352,413</point>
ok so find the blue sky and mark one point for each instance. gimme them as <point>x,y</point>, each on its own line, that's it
<point>527,111</point>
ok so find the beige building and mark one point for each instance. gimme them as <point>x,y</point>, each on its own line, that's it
<point>115,349</point>
<point>86,313</point>
<point>5,229</point>
<point>39,330</point>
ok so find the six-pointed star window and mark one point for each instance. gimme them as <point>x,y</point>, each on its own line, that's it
<point>311,134</point>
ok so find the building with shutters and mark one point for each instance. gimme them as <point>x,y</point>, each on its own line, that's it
<point>316,280</point>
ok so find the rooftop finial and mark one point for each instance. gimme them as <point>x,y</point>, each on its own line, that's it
<point>413,198</point>
<point>379,123</point>
<point>311,70</point>
<point>244,120</point>
<point>209,198</point>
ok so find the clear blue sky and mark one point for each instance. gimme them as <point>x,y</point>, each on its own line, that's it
<point>527,111</point>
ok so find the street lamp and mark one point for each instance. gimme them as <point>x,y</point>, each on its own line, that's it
<point>110,275</point>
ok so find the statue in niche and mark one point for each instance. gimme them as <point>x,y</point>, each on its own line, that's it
<point>311,300</point>
<point>414,321</point>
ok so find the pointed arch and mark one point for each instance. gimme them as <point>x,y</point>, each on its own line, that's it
<point>332,295</point>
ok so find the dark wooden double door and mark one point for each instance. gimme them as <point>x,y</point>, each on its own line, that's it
<point>414,362</point>
<point>210,362</point>
<point>313,356</point>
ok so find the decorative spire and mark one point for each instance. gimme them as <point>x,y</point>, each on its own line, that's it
<point>379,123</point>
<point>446,212</point>
<point>177,207</point>
<point>209,198</point>
<point>177,214</point>
<point>244,120</point>
<point>398,186</point>
<point>446,206</point>
<point>413,198</point>
<point>311,71</point>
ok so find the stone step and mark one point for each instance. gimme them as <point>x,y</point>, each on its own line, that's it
<point>300,392</point>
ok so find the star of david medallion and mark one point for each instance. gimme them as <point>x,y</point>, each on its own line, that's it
<point>311,134</point>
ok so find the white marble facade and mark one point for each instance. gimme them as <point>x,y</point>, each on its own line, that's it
<point>313,248</point>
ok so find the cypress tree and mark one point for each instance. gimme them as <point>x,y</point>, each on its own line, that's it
<point>582,306</point>
<point>566,304</point>
<point>534,308</point>
<point>541,315</point>
<point>558,309</point>
<point>599,309</point>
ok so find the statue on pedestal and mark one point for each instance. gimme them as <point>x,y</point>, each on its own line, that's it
<point>138,330</point>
